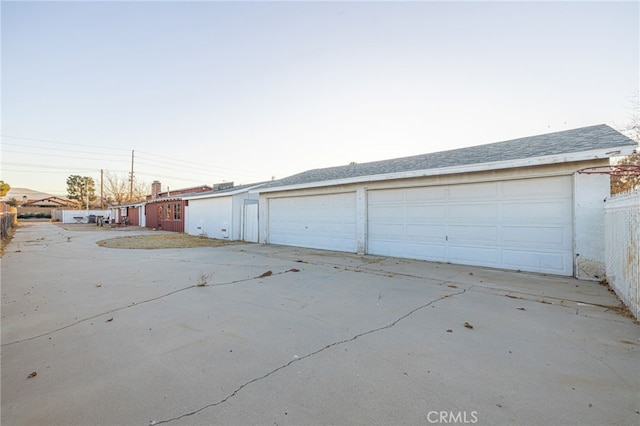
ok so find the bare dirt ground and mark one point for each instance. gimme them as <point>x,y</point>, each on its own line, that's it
<point>162,241</point>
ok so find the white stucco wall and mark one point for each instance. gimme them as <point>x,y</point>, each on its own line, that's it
<point>68,216</point>
<point>210,217</point>
<point>588,215</point>
<point>590,192</point>
<point>216,216</point>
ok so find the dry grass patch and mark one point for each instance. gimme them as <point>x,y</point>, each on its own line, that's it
<point>163,241</point>
<point>5,241</point>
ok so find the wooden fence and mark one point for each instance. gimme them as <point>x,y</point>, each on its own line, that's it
<point>8,219</point>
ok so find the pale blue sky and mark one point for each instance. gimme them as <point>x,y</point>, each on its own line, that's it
<point>242,91</point>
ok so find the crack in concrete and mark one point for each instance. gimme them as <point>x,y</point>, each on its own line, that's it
<point>134,304</point>
<point>309,355</point>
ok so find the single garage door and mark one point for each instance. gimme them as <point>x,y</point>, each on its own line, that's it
<point>318,221</point>
<point>521,224</point>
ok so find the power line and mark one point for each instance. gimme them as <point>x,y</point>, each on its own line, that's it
<point>61,143</point>
<point>190,164</point>
<point>37,171</point>
<point>172,160</point>
<point>199,172</point>
<point>52,149</point>
<point>45,166</point>
<point>59,155</point>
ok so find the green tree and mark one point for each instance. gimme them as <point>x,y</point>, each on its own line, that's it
<point>78,187</point>
<point>4,188</point>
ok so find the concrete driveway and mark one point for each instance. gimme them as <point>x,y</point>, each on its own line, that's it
<point>127,337</point>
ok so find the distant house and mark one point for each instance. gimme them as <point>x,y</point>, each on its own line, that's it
<point>165,214</point>
<point>30,198</point>
<point>156,190</point>
<point>166,210</point>
<point>131,214</point>
<point>51,202</point>
<point>30,203</point>
<point>520,204</point>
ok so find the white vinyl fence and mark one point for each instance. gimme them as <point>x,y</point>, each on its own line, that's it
<point>622,247</point>
<point>80,216</point>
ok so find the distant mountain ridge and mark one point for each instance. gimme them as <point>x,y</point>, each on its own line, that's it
<point>20,193</point>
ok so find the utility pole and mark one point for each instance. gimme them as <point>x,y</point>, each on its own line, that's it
<point>86,190</point>
<point>101,189</point>
<point>131,178</point>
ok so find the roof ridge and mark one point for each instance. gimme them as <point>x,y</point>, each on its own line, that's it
<point>599,136</point>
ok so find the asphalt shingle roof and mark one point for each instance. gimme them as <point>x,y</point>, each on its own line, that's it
<point>222,191</point>
<point>564,142</point>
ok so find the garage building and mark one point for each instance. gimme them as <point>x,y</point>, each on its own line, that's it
<point>520,205</point>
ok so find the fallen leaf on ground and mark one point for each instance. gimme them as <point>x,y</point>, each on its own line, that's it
<point>266,274</point>
<point>449,331</point>
<point>520,308</point>
<point>466,324</point>
<point>98,285</point>
<point>452,286</point>
<point>109,319</point>
<point>33,374</point>
<point>293,270</point>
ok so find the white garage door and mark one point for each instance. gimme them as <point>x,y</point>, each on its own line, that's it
<point>318,221</point>
<point>520,224</point>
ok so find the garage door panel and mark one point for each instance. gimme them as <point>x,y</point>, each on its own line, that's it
<point>555,237</point>
<point>474,191</point>
<point>408,232</point>
<point>474,255</point>
<point>318,221</point>
<point>539,188</point>
<point>422,251</point>
<point>425,251</point>
<point>533,261</point>
<point>558,210</point>
<point>419,195</point>
<point>385,247</point>
<point>488,235</point>
<point>387,197</point>
<point>425,232</point>
<point>385,213</point>
<point>476,211</point>
<point>388,232</point>
<point>424,213</point>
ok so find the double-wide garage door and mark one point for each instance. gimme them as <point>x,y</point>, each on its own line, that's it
<point>521,224</point>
